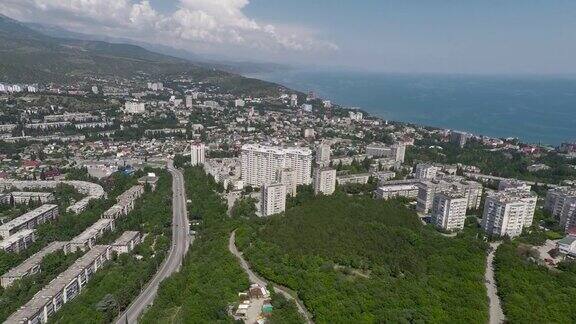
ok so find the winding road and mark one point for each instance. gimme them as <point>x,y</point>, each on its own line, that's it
<point>496,313</point>
<point>179,248</point>
<point>254,278</point>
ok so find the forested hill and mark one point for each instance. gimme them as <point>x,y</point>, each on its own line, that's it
<point>360,260</point>
<point>27,55</point>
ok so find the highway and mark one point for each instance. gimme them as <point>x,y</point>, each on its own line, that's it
<point>172,263</point>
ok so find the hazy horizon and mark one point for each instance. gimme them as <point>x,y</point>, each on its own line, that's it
<point>391,36</point>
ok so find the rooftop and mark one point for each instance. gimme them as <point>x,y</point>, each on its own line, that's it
<point>126,238</point>
<point>7,242</point>
<point>92,231</point>
<point>31,308</point>
<point>34,260</point>
<point>27,217</point>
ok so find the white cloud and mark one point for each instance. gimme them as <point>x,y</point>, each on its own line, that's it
<point>206,24</point>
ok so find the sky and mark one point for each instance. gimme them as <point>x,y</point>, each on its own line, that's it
<point>415,36</point>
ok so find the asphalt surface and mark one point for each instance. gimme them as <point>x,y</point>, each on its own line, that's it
<point>172,263</point>
<point>254,278</point>
<point>496,313</point>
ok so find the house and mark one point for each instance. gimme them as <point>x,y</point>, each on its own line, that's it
<point>567,246</point>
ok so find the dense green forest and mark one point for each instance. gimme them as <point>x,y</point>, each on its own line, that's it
<point>530,292</point>
<point>211,277</point>
<point>359,260</point>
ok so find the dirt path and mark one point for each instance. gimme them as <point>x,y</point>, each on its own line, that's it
<point>254,278</point>
<point>496,313</point>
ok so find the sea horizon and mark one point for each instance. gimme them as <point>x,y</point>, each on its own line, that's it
<point>539,109</point>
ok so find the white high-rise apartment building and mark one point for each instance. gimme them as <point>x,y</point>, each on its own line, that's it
<point>324,181</point>
<point>197,154</point>
<point>508,212</point>
<point>273,199</point>
<point>134,107</point>
<point>561,202</point>
<point>323,154</point>
<point>287,177</point>
<point>449,210</point>
<point>260,164</point>
<point>188,101</point>
<point>356,116</point>
<point>426,171</point>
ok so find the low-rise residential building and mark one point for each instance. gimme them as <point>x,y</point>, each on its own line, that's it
<point>513,184</point>
<point>29,220</point>
<point>360,178</point>
<point>150,179</point>
<point>398,188</point>
<point>31,265</point>
<point>567,246</point>
<point>126,242</point>
<point>19,241</point>
<point>25,197</point>
<point>64,288</point>
<point>396,151</point>
<point>87,239</point>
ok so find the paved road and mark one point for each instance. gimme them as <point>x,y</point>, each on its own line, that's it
<point>496,313</point>
<point>254,278</point>
<point>172,263</point>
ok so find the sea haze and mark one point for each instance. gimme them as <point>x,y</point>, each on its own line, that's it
<point>534,109</point>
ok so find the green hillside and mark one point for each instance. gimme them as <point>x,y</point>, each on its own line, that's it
<point>359,260</point>
<point>30,56</point>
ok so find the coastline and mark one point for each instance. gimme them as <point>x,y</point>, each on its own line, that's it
<point>498,107</point>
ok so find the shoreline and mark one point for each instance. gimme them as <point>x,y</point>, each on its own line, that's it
<point>388,115</point>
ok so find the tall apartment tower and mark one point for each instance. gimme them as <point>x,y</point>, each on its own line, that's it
<point>273,199</point>
<point>508,212</point>
<point>561,202</point>
<point>197,154</point>
<point>425,171</point>
<point>287,177</point>
<point>324,181</point>
<point>323,154</point>
<point>261,164</point>
<point>449,210</point>
<point>459,138</point>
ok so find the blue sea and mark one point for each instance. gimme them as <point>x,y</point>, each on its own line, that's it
<point>534,109</point>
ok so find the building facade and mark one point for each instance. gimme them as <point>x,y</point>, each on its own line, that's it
<point>197,154</point>
<point>507,213</point>
<point>425,171</point>
<point>324,181</point>
<point>449,210</point>
<point>273,199</point>
<point>261,164</point>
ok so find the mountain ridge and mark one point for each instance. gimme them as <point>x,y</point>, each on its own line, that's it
<point>27,55</point>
